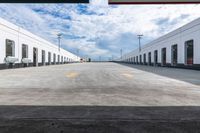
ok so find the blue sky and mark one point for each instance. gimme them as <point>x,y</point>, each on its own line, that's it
<point>98,29</point>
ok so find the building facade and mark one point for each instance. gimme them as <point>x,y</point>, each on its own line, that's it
<point>20,48</point>
<point>179,48</point>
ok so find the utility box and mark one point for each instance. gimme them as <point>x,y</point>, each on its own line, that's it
<point>10,61</point>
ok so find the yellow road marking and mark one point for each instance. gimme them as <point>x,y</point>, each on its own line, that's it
<point>72,74</point>
<point>127,75</point>
<point>126,72</point>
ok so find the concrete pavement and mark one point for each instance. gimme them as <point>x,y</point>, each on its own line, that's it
<point>99,84</point>
<point>100,98</point>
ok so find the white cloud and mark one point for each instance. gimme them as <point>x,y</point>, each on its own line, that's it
<point>111,25</point>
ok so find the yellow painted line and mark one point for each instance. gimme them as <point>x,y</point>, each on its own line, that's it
<point>127,75</point>
<point>126,72</point>
<point>72,75</point>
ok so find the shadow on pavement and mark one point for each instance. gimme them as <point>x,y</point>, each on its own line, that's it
<point>99,119</point>
<point>186,75</point>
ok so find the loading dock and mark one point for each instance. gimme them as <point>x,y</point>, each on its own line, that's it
<point>61,59</point>
<point>164,57</point>
<point>25,59</point>
<point>24,51</point>
<point>43,57</point>
<point>174,55</point>
<point>140,59</point>
<point>189,52</point>
<point>49,58</point>
<point>35,56</point>
<point>149,60</point>
<point>58,59</point>
<point>155,57</point>
<point>144,58</point>
<point>54,59</point>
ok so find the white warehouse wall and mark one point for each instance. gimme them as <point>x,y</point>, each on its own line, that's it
<point>190,31</point>
<point>21,36</point>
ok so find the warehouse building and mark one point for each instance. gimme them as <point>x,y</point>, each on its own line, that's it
<point>20,48</point>
<point>179,48</point>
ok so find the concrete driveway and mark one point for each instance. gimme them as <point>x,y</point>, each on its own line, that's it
<point>99,98</point>
<point>100,84</point>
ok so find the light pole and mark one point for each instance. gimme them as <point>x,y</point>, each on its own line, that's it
<point>121,53</point>
<point>59,37</point>
<point>139,37</point>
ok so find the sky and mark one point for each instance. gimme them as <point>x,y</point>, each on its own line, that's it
<point>98,30</point>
